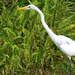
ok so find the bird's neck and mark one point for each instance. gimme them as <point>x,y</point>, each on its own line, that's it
<point>51,34</point>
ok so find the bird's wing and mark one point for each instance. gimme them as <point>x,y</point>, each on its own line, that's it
<point>61,40</point>
<point>66,45</point>
<point>69,50</point>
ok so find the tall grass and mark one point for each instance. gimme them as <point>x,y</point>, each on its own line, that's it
<point>27,48</point>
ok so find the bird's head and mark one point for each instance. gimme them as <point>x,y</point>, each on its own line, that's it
<point>28,7</point>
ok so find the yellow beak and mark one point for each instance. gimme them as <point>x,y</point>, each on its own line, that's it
<point>23,8</point>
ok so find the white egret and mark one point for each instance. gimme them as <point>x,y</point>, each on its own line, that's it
<point>65,44</point>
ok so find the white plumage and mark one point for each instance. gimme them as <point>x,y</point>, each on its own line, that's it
<point>65,44</point>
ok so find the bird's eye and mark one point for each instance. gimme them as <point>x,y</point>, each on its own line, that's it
<point>28,6</point>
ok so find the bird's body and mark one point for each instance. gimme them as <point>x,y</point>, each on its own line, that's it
<point>65,44</point>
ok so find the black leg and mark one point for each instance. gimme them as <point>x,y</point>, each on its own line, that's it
<point>72,60</point>
<point>70,67</point>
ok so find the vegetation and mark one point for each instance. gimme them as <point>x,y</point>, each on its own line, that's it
<point>27,48</point>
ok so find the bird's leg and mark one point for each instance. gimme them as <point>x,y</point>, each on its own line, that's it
<point>72,60</point>
<point>70,67</point>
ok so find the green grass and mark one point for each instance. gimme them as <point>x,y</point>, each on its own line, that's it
<point>27,48</point>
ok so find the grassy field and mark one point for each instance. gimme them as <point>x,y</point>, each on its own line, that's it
<point>27,48</point>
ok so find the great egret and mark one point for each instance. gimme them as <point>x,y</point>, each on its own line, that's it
<point>65,44</point>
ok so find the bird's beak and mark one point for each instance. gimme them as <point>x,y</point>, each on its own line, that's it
<point>23,8</point>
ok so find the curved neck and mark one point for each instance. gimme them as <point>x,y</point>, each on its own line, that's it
<point>51,34</point>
